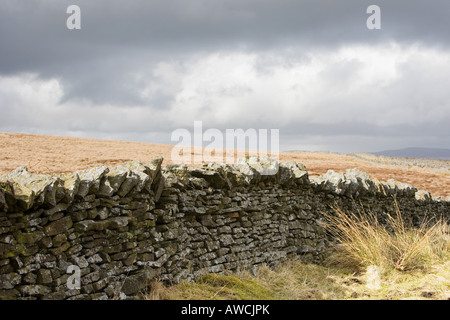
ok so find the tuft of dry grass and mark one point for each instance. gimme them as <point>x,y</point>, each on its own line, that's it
<point>364,241</point>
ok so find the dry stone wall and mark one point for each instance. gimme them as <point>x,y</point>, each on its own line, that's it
<point>122,227</point>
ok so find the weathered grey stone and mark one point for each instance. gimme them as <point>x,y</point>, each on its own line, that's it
<point>29,278</point>
<point>58,226</point>
<point>28,187</point>
<point>242,174</point>
<point>158,186</point>
<point>359,183</point>
<point>292,172</point>
<point>135,283</point>
<point>353,183</point>
<point>265,166</point>
<point>58,295</point>
<point>213,176</point>
<point>90,278</point>
<point>71,183</point>
<point>34,290</point>
<point>113,181</point>
<point>59,239</point>
<point>42,258</point>
<point>30,238</point>
<point>423,195</point>
<point>226,239</point>
<point>119,222</point>
<point>401,188</point>
<point>9,280</point>
<point>56,209</point>
<point>5,249</point>
<point>90,180</point>
<point>142,174</point>
<point>175,175</point>
<point>44,276</point>
<point>2,199</point>
<point>130,175</point>
<point>57,251</point>
<point>84,226</point>
<point>154,167</point>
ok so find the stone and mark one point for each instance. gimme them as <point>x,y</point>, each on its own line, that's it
<point>90,278</point>
<point>16,262</point>
<point>44,276</point>
<point>9,280</point>
<point>57,251</point>
<point>103,213</point>
<point>71,183</point>
<point>135,283</point>
<point>175,175</point>
<point>2,199</point>
<point>81,262</point>
<point>56,209</point>
<point>292,172</point>
<point>264,165</point>
<point>34,290</point>
<point>29,238</point>
<point>354,183</point>
<point>131,259</point>
<point>331,181</point>
<point>58,226</point>
<point>154,167</point>
<point>79,215</point>
<point>5,248</point>
<point>226,239</point>
<point>28,187</point>
<point>119,222</point>
<point>59,239</point>
<point>9,294</point>
<point>90,180</point>
<point>46,242</point>
<point>142,174</point>
<point>84,226</point>
<point>242,174</point>
<point>113,181</point>
<point>394,187</point>
<point>215,178</point>
<point>423,195</point>
<point>29,278</point>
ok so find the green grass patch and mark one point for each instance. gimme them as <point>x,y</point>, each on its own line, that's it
<point>296,280</point>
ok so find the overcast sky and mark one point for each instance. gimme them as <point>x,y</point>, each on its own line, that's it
<point>139,69</point>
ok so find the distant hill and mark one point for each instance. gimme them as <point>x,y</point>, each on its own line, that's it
<point>426,153</point>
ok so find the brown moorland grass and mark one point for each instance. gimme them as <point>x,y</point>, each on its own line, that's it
<point>54,154</point>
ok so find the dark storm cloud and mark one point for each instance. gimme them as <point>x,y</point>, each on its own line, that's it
<point>150,56</point>
<point>118,38</point>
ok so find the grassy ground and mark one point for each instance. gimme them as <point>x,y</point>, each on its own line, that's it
<point>295,280</point>
<point>372,261</point>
